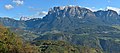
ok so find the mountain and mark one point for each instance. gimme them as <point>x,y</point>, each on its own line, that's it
<point>24,18</point>
<point>108,17</point>
<point>73,24</point>
<point>17,26</point>
<point>67,19</point>
<point>71,18</point>
<point>9,22</point>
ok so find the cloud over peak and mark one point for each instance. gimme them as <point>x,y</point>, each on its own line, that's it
<point>105,9</point>
<point>43,13</point>
<point>114,8</point>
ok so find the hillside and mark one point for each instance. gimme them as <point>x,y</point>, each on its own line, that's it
<point>10,43</point>
<point>63,47</point>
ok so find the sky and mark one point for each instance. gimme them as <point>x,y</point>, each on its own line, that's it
<point>39,8</point>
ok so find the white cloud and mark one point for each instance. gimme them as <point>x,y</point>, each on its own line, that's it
<point>34,9</point>
<point>92,9</point>
<point>8,6</point>
<point>42,13</point>
<point>38,15</point>
<point>114,8</point>
<point>18,2</point>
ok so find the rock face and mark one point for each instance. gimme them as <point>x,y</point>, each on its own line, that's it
<point>65,18</point>
<point>24,18</point>
<point>108,17</point>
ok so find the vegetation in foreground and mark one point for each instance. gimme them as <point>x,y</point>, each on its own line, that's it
<point>11,43</point>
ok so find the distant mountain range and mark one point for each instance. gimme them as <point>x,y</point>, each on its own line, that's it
<point>74,24</point>
<point>67,18</point>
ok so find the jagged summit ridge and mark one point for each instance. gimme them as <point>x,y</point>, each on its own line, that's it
<point>69,11</point>
<point>75,9</point>
<point>63,7</point>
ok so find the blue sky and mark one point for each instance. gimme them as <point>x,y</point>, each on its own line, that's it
<point>31,8</point>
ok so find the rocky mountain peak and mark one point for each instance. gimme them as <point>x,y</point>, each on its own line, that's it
<point>69,11</point>
<point>24,18</point>
<point>107,13</point>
